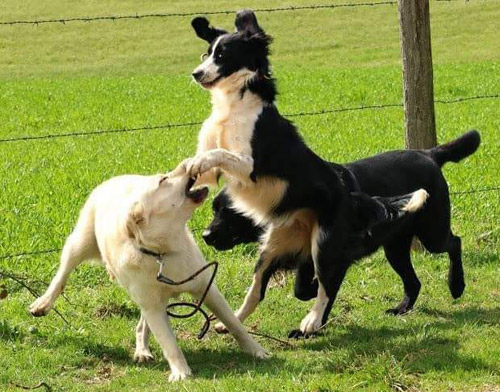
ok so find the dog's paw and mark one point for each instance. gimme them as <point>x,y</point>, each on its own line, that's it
<point>404,307</point>
<point>179,374</point>
<point>311,323</point>
<point>221,328</point>
<point>255,349</point>
<point>204,162</point>
<point>456,285</point>
<point>41,306</point>
<point>398,311</point>
<point>298,334</point>
<point>142,356</point>
<point>261,354</point>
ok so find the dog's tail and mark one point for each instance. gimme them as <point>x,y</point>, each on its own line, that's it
<point>372,211</point>
<point>456,150</point>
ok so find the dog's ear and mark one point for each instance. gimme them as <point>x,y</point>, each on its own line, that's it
<point>134,219</point>
<point>246,21</point>
<point>204,31</point>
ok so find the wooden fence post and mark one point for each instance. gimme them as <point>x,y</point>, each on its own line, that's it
<point>420,122</point>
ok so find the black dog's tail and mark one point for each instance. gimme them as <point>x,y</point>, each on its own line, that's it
<point>456,150</point>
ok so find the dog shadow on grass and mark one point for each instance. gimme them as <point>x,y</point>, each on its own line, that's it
<point>421,348</point>
<point>424,348</point>
<point>205,361</point>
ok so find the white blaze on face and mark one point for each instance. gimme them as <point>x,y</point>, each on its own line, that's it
<point>208,67</point>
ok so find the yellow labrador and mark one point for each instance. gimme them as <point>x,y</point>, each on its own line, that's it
<point>126,214</point>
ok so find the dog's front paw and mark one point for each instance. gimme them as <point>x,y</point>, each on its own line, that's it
<point>204,162</point>
<point>259,353</point>
<point>142,356</point>
<point>311,323</point>
<point>221,328</point>
<point>297,334</point>
<point>179,374</point>
<point>41,306</point>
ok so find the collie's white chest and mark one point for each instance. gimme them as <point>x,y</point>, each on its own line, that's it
<point>231,127</point>
<point>232,123</point>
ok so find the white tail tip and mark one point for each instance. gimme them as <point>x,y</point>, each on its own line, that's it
<point>417,201</point>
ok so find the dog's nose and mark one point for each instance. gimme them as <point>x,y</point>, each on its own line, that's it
<point>197,75</point>
<point>208,236</point>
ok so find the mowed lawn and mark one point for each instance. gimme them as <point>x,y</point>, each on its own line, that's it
<point>85,77</point>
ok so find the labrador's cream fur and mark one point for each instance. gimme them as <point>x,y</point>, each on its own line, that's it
<point>122,215</point>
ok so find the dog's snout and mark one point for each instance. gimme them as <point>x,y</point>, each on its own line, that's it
<point>208,236</point>
<point>197,75</point>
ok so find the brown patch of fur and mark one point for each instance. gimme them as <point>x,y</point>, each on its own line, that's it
<point>291,236</point>
<point>258,199</point>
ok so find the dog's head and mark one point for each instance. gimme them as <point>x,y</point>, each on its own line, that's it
<point>228,227</point>
<point>163,208</point>
<point>232,59</point>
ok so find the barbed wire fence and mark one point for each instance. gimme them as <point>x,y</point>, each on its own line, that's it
<point>197,123</point>
<point>113,18</point>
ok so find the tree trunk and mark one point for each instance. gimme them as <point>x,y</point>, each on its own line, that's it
<point>420,122</point>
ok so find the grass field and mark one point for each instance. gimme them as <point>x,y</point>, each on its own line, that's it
<point>85,77</point>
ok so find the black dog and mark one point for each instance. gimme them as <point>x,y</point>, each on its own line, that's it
<point>304,201</point>
<point>229,228</point>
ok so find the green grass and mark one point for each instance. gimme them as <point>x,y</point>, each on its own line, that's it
<point>108,75</point>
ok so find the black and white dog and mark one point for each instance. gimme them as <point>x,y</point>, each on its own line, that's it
<point>304,201</point>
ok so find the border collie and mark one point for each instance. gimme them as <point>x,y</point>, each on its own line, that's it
<point>124,223</point>
<point>304,201</point>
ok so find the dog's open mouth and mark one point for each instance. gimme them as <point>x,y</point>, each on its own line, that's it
<point>198,195</point>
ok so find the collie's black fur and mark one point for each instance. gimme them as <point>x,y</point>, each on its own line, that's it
<point>311,220</point>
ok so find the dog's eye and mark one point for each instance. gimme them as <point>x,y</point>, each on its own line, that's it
<point>220,55</point>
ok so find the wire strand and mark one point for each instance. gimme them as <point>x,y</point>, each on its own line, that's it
<point>114,18</point>
<point>46,251</point>
<point>197,123</point>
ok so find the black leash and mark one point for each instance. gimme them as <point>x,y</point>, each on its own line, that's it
<point>195,306</point>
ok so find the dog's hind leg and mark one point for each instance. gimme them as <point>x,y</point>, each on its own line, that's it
<point>280,243</point>
<point>159,323</point>
<point>323,303</point>
<point>398,255</point>
<point>456,281</point>
<point>330,271</point>
<point>453,246</point>
<point>81,245</point>
<point>142,351</point>
<point>264,270</point>
<point>306,287</point>
<point>219,306</point>
<point>436,236</point>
